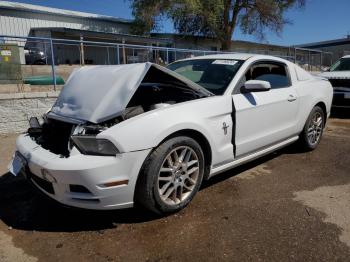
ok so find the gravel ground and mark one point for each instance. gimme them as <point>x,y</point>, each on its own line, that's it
<point>289,205</point>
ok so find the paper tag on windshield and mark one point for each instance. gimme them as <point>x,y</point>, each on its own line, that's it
<point>224,62</point>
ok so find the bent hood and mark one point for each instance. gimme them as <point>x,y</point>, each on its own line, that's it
<point>98,93</point>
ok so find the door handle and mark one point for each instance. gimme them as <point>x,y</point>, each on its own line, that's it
<point>292,98</point>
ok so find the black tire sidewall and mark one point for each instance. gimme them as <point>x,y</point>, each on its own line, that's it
<point>305,141</point>
<point>153,166</point>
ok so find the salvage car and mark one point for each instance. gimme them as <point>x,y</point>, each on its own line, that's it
<point>149,135</point>
<point>339,76</point>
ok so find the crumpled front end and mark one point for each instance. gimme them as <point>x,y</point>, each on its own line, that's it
<point>84,181</point>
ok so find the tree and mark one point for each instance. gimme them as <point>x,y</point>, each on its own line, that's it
<point>213,18</point>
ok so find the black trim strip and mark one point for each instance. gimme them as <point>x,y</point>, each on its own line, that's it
<point>233,138</point>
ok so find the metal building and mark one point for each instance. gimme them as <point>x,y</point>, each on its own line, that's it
<point>20,19</point>
<point>338,47</point>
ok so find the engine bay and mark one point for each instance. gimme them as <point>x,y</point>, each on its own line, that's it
<point>55,135</point>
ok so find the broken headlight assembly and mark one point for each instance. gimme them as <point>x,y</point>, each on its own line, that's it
<point>90,145</point>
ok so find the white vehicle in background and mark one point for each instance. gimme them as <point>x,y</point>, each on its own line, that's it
<point>339,76</point>
<point>145,134</point>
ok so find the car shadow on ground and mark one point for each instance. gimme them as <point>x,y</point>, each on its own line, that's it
<point>22,207</point>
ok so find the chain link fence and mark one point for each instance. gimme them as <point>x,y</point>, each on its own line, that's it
<point>46,63</point>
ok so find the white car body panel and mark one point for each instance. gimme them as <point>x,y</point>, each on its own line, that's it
<point>238,128</point>
<point>261,131</point>
<point>204,115</point>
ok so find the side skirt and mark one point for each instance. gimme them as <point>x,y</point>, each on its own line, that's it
<point>248,158</point>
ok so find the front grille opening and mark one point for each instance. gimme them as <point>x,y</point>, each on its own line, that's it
<point>43,184</point>
<point>78,189</point>
<point>53,135</point>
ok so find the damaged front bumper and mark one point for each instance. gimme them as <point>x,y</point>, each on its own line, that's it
<point>84,181</point>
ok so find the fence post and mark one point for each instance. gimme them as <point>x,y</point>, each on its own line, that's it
<point>45,52</point>
<point>167,55</point>
<point>82,55</point>
<point>310,61</point>
<point>295,55</point>
<point>53,65</point>
<point>118,57</point>
<point>108,55</point>
<point>124,53</point>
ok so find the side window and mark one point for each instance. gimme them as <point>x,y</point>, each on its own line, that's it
<point>274,73</point>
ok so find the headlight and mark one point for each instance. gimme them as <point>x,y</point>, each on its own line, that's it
<point>90,145</point>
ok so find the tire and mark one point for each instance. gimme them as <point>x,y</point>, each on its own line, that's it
<point>162,173</point>
<point>311,135</point>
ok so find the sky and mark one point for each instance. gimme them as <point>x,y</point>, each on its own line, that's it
<point>319,20</point>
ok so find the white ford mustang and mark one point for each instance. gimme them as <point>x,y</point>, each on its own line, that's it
<point>145,134</point>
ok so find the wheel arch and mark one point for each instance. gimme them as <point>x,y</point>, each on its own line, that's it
<point>195,135</point>
<point>199,137</point>
<point>201,140</point>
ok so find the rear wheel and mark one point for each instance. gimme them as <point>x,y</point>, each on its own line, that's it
<point>171,175</point>
<point>313,129</point>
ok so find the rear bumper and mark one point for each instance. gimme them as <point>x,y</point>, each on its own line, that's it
<point>80,180</point>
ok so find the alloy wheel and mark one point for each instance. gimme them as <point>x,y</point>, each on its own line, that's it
<point>178,175</point>
<point>315,128</point>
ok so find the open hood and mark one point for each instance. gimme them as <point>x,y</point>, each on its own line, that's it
<point>98,93</point>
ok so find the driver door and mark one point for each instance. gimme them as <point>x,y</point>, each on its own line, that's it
<point>265,118</point>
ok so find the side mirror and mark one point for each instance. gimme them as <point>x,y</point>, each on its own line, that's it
<point>256,86</point>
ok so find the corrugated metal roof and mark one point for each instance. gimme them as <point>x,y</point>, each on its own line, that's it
<point>334,42</point>
<point>90,33</point>
<point>57,11</point>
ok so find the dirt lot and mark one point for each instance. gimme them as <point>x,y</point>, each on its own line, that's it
<point>287,206</point>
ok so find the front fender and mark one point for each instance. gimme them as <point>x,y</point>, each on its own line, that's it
<point>205,115</point>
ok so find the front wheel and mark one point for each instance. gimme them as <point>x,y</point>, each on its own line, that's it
<point>171,176</point>
<point>311,135</point>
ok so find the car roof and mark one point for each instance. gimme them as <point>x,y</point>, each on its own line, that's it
<point>235,56</point>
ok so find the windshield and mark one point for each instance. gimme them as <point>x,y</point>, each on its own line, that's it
<point>212,74</point>
<point>341,65</point>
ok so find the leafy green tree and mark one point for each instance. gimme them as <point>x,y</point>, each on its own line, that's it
<point>214,18</point>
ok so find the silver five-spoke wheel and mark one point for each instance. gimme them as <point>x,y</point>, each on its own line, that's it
<point>315,128</point>
<point>178,175</point>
